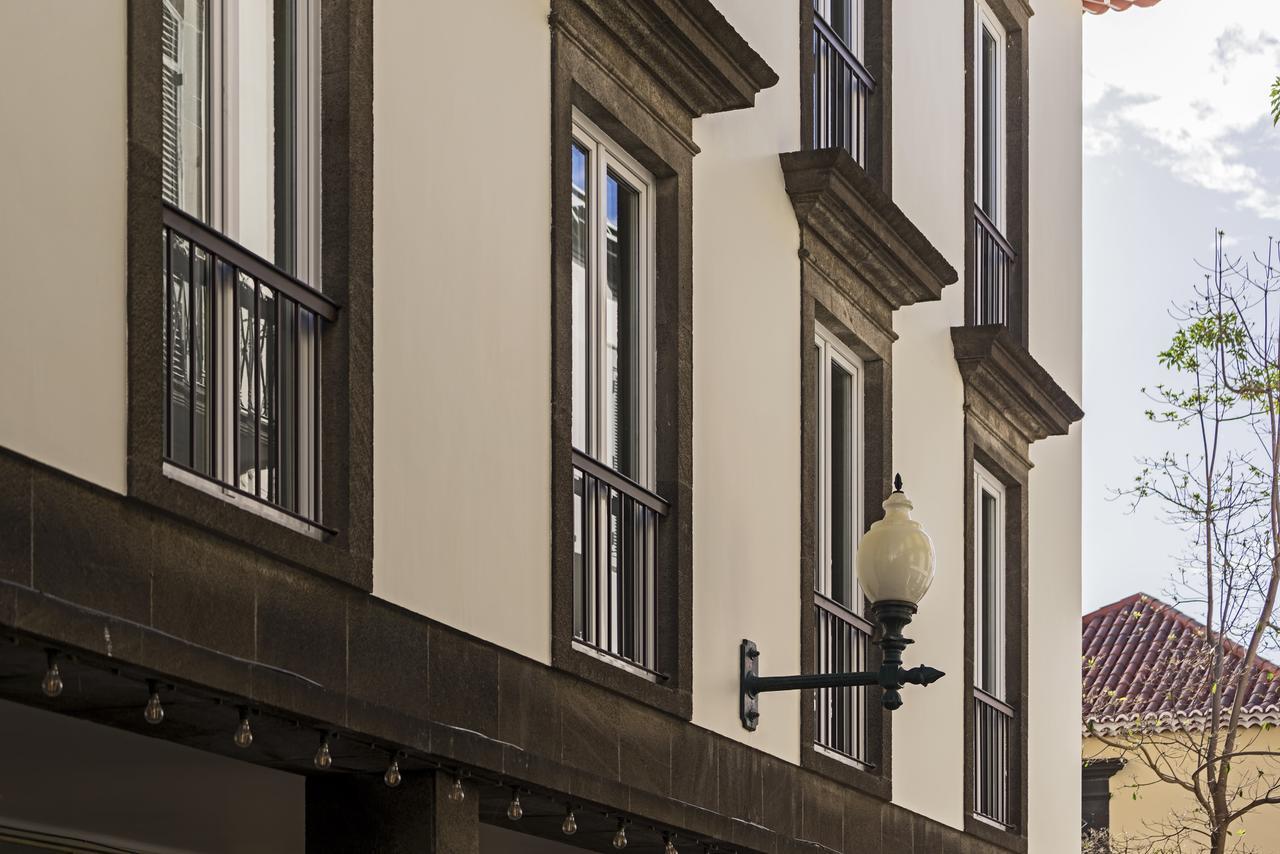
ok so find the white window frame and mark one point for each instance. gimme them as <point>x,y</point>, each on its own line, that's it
<point>604,156</point>
<point>986,20</point>
<point>830,349</point>
<point>984,483</point>
<point>858,22</point>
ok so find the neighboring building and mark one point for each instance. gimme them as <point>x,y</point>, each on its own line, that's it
<point>446,390</point>
<point>1141,665</point>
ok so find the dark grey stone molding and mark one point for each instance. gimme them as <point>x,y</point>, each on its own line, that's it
<point>347,263</point>
<point>684,48</point>
<point>128,593</point>
<point>856,238</point>
<point>1008,391</point>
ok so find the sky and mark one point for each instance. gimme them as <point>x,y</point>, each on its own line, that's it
<point>1178,142</point>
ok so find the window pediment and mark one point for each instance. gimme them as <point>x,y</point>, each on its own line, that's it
<point>871,242</point>
<point>1009,386</point>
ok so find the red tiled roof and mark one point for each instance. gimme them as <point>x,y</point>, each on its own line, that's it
<point>1141,662</point>
<point>1097,7</point>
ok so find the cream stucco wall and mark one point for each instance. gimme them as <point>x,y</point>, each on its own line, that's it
<point>1055,487</point>
<point>928,418</point>
<point>746,394</point>
<point>462,352</point>
<point>1140,804</point>
<point>62,236</point>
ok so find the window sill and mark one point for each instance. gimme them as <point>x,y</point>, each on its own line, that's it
<point>1008,838</point>
<point>245,502</point>
<point>612,674</point>
<point>206,504</point>
<point>621,664</point>
<point>866,778</point>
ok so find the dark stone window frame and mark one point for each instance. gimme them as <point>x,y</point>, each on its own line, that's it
<point>1010,402</point>
<point>1014,16</point>
<point>878,60</point>
<point>861,260</point>
<point>641,71</point>
<point>346,391</point>
<point>985,448</point>
<point>823,303</point>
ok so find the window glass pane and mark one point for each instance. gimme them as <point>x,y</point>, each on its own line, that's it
<point>253,109</point>
<point>620,327</point>
<point>988,631</point>
<point>842,474</point>
<point>990,130</point>
<point>202,362</point>
<point>581,325</point>
<point>287,406</point>
<point>184,179</point>
<point>180,352</point>
<point>268,360</point>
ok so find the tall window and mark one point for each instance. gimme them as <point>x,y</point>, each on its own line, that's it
<point>993,255</point>
<point>841,632</point>
<point>616,512</point>
<point>240,179</point>
<point>993,716</point>
<point>841,84</point>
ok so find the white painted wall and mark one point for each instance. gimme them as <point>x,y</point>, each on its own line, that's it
<point>99,784</point>
<point>746,393</point>
<point>62,236</point>
<point>928,398</point>
<point>462,307</point>
<point>1056,496</point>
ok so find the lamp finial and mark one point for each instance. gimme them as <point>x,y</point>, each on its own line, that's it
<point>897,483</point>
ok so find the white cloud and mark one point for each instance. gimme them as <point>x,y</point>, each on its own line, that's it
<point>1188,82</point>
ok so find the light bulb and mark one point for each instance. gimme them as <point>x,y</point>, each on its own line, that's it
<point>52,682</point>
<point>244,733</point>
<point>514,811</point>
<point>669,847</point>
<point>457,794</point>
<point>570,825</point>
<point>392,777</point>
<point>154,712</point>
<point>620,838</point>
<point>323,757</point>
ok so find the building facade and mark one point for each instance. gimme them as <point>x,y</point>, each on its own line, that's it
<point>429,399</point>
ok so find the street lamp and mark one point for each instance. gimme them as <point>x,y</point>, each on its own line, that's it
<point>895,569</point>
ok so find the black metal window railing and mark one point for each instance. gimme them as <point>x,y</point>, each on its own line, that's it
<point>992,724</point>
<point>840,646</point>
<point>993,271</point>
<point>242,369</point>
<point>841,87</point>
<point>615,564</point>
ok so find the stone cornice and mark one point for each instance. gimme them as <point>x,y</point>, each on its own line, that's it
<point>687,46</point>
<point>1018,390</point>
<point>871,240</point>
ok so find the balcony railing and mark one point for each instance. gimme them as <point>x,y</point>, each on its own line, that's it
<point>242,379</point>
<point>993,270</point>
<point>615,522</point>
<point>841,87</point>
<point>992,723</point>
<point>840,646</point>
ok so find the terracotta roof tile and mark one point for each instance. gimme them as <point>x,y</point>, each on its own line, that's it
<point>1142,660</point>
<point>1097,7</point>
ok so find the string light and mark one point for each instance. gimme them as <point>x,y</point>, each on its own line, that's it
<point>669,847</point>
<point>457,794</point>
<point>323,757</point>
<point>154,712</point>
<point>244,733</point>
<point>620,838</point>
<point>570,824</point>
<point>514,811</point>
<point>52,682</point>
<point>392,777</point>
